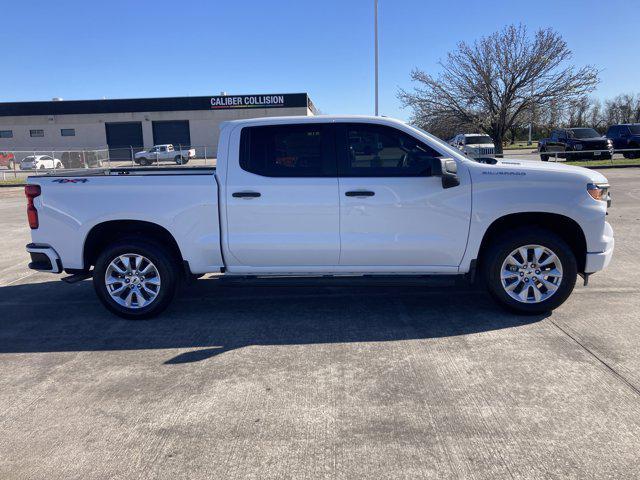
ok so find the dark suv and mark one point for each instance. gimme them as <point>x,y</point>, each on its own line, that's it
<point>574,144</point>
<point>625,137</point>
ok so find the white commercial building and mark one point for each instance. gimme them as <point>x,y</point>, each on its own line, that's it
<point>126,125</point>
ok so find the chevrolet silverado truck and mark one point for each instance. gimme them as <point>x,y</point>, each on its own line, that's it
<point>162,153</point>
<point>324,195</point>
<point>575,144</point>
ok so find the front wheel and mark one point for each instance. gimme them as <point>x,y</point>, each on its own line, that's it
<point>135,279</point>
<point>530,271</point>
<point>544,157</point>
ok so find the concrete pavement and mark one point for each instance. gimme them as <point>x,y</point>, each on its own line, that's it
<point>321,378</point>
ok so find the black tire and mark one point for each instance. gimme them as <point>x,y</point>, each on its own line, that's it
<point>180,160</point>
<point>630,155</point>
<point>143,161</point>
<point>502,247</point>
<point>159,256</point>
<point>543,157</point>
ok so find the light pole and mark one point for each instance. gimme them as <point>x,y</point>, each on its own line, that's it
<point>375,35</point>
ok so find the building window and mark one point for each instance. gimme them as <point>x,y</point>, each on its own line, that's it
<point>68,132</point>
<point>36,133</point>
<point>6,133</point>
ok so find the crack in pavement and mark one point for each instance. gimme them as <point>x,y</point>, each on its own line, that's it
<point>611,369</point>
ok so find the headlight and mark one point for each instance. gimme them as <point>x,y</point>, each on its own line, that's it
<point>599,191</point>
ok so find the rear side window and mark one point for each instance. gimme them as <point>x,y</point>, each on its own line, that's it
<point>288,151</point>
<point>381,151</point>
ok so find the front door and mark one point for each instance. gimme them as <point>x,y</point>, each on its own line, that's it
<point>393,211</point>
<point>282,203</point>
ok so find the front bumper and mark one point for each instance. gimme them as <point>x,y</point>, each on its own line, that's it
<point>44,258</point>
<point>597,261</point>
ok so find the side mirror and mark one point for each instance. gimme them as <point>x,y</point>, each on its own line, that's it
<point>448,170</point>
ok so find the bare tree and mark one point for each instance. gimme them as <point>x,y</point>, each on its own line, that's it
<point>494,81</point>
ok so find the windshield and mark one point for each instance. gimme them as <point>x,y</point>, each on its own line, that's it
<point>635,129</point>
<point>478,139</point>
<point>444,146</point>
<point>585,133</point>
<point>28,159</point>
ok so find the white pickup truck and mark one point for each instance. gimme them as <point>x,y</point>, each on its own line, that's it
<point>161,153</point>
<point>324,195</point>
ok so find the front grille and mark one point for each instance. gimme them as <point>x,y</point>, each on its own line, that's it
<point>487,151</point>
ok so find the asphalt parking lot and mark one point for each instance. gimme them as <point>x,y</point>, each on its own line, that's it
<point>321,378</point>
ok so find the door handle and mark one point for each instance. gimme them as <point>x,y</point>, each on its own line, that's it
<point>360,193</point>
<point>246,194</point>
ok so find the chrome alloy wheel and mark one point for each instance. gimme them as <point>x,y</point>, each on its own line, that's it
<point>132,280</point>
<point>531,274</point>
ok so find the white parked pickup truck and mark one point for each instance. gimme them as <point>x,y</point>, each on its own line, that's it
<point>161,153</point>
<point>329,195</point>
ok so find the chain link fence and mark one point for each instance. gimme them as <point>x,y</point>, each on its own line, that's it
<point>22,163</point>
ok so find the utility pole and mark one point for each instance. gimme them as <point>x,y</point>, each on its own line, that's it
<point>531,117</point>
<point>375,29</point>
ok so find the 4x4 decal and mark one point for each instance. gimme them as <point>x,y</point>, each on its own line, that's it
<point>71,180</point>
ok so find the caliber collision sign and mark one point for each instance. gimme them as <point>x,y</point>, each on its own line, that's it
<point>248,101</point>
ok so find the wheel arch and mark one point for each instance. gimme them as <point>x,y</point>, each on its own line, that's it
<point>566,228</point>
<point>105,233</point>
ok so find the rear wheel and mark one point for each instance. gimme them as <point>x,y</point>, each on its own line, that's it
<point>633,154</point>
<point>143,161</point>
<point>530,271</point>
<point>180,160</point>
<point>135,279</point>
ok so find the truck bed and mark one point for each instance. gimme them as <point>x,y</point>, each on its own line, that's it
<point>181,200</point>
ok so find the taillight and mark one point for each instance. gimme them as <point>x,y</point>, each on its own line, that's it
<point>32,191</point>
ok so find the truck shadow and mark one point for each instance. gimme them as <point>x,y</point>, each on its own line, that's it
<point>211,317</point>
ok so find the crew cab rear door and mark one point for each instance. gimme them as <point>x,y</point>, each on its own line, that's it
<point>393,211</point>
<point>281,200</point>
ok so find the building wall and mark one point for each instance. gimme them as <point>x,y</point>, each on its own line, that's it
<point>91,133</point>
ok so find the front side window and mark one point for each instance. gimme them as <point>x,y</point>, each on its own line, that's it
<point>36,133</point>
<point>68,132</point>
<point>6,133</point>
<point>287,151</point>
<point>634,129</point>
<point>381,151</point>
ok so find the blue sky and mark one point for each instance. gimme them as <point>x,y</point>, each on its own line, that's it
<point>124,49</point>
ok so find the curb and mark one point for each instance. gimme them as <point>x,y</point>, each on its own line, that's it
<point>12,185</point>
<point>606,167</point>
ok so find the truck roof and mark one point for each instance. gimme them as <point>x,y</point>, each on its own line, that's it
<point>313,119</point>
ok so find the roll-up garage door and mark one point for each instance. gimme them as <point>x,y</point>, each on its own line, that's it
<point>175,132</point>
<point>122,137</point>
